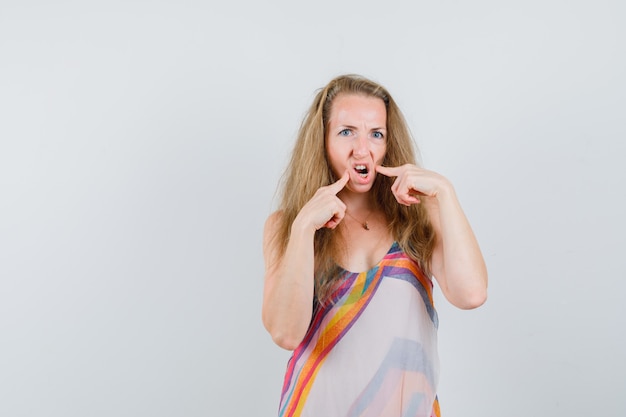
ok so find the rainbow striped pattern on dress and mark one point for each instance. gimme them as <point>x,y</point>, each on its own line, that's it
<point>407,357</point>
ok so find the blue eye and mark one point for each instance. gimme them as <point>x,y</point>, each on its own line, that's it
<point>378,135</point>
<point>345,132</point>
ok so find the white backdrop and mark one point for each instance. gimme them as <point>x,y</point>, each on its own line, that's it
<point>140,148</point>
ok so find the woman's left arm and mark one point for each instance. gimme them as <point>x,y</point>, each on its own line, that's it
<point>457,262</point>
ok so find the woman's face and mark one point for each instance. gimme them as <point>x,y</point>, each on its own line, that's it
<point>356,138</point>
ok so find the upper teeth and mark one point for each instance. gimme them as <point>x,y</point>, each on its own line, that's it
<point>360,167</point>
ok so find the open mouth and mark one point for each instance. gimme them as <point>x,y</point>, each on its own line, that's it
<point>362,170</point>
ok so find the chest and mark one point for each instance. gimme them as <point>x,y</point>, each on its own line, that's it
<point>363,249</point>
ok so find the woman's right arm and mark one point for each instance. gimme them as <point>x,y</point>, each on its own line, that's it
<point>288,291</point>
<point>289,276</point>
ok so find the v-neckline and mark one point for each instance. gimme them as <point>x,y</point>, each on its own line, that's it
<point>394,244</point>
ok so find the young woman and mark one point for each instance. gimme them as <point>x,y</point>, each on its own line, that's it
<point>349,255</point>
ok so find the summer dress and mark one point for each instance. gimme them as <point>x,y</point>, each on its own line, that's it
<point>372,352</point>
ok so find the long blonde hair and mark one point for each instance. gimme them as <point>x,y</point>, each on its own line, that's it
<point>309,169</point>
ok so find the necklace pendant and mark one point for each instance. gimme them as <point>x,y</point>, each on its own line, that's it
<point>365,226</point>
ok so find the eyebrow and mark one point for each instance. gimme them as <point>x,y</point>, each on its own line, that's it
<point>354,127</point>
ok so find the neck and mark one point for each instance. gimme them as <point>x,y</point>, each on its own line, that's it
<point>360,209</point>
<point>357,203</point>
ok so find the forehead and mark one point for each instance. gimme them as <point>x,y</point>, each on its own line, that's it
<point>357,109</point>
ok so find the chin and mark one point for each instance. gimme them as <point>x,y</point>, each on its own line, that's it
<point>360,188</point>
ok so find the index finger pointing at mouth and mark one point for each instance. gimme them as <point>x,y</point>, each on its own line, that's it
<point>388,171</point>
<point>340,183</point>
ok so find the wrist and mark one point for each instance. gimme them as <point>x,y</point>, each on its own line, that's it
<point>445,190</point>
<point>302,227</point>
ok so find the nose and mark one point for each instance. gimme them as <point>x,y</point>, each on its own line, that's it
<point>360,146</point>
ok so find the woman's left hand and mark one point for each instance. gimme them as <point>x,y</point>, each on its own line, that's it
<point>456,261</point>
<point>412,181</point>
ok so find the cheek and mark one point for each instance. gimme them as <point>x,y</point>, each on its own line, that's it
<point>337,152</point>
<point>335,161</point>
<point>382,153</point>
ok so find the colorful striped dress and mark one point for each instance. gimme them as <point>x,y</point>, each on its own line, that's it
<point>373,351</point>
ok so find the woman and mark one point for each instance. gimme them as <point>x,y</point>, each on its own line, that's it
<point>349,257</point>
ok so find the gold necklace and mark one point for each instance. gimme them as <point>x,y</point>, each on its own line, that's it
<point>364,223</point>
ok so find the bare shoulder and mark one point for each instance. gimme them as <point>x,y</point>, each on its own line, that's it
<point>270,231</point>
<point>272,223</point>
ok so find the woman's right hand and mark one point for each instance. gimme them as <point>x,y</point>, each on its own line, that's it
<point>324,209</point>
<point>288,291</point>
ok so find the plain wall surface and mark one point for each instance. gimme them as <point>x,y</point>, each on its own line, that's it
<point>141,144</point>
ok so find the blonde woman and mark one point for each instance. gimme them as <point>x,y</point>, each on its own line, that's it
<point>350,255</point>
